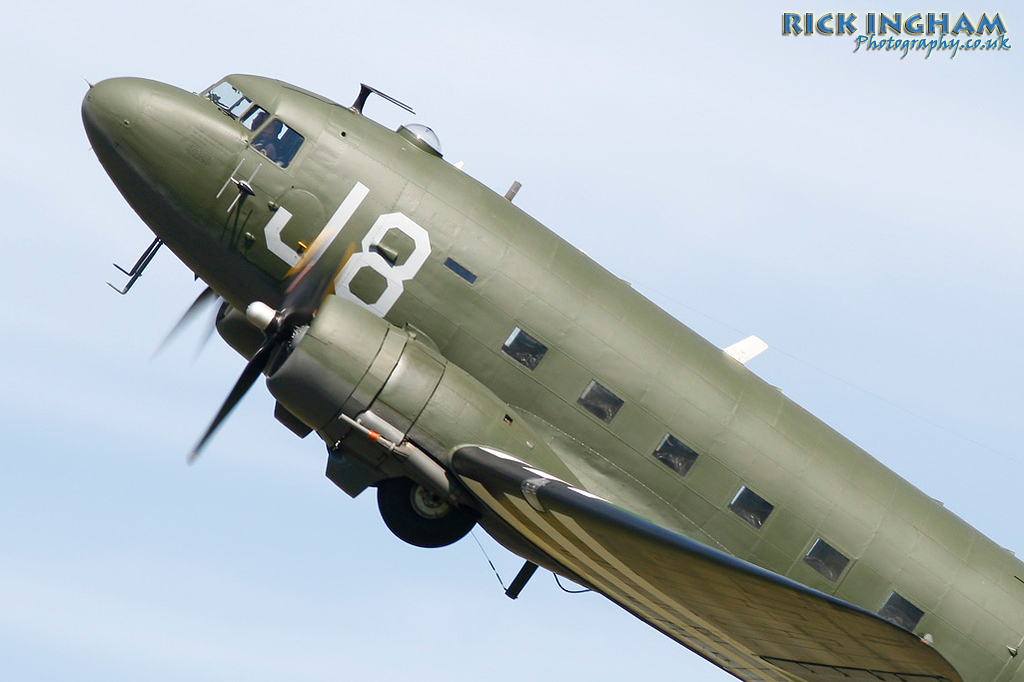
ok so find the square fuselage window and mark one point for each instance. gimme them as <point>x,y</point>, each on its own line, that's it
<point>524,349</point>
<point>901,612</point>
<point>826,559</point>
<point>751,507</point>
<point>600,402</point>
<point>675,454</point>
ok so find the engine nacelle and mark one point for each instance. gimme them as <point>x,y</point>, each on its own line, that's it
<point>340,361</point>
<point>351,362</point>
<point>237,331</point>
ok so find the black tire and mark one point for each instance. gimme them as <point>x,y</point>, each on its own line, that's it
<point>396,501</point>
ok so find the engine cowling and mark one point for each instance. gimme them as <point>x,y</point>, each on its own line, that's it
<point>351,362</point>
<point>342,351</point>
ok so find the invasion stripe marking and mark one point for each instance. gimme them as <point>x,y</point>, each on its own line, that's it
<point>651,611</point>
<point>664,605</point>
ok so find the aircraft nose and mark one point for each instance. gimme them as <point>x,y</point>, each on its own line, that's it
<point>111,107</point>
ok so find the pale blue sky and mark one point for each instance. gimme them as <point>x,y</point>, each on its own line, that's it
<point>859,212</point>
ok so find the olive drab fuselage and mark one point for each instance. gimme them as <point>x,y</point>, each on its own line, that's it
<point>461,320</point>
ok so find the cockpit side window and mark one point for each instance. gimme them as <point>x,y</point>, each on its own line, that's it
<point>278,142</point>
<point>256,117</point>
<point>228,98</point>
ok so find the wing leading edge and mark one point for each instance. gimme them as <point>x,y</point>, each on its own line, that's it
<point>753,623</point>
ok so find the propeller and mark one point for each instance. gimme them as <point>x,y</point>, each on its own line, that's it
<point>302,299</point>
<point>207,333</point>
<point>205,298</point>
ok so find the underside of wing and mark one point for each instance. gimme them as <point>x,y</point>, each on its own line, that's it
<point>753,623</point>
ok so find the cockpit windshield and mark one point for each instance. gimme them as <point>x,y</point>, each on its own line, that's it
<point>274,139</point>
<point>228,98</point>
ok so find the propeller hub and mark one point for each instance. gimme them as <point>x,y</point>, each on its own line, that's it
<point>260,314</point>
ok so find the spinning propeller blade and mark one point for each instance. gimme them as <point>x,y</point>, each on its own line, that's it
<point>303,296</point>
<point>248,377</point>
<point>205,297</point>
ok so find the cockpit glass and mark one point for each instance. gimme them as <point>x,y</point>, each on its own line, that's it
<point>256,117</point>
<point>228,98</point>
<point>278,142</point>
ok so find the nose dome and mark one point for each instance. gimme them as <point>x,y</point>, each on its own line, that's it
<point>110,107</point>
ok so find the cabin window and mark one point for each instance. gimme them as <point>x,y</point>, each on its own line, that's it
<point>278,142</point>
<point>228,98</point>
<point>600,402</point>
<point>675,454</point>
<point>524,349</point>
<point>826,559</point>
<point>751,507</point>
<point>256,117</point>
<point>460,270</point>
<point>901,612</point>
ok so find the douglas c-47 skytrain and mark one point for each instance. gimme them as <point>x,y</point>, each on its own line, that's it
<point>474,368</point>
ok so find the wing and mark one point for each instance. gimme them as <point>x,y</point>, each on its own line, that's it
<point>753,623</point>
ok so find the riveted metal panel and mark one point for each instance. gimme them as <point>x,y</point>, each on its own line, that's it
<point>409,387</point>
<point>379,371</point>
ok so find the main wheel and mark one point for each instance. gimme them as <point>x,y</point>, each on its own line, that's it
<point>419,516</point>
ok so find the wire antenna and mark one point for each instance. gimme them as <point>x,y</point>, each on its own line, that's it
<point>566,589</point>
<point>496,575</point>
